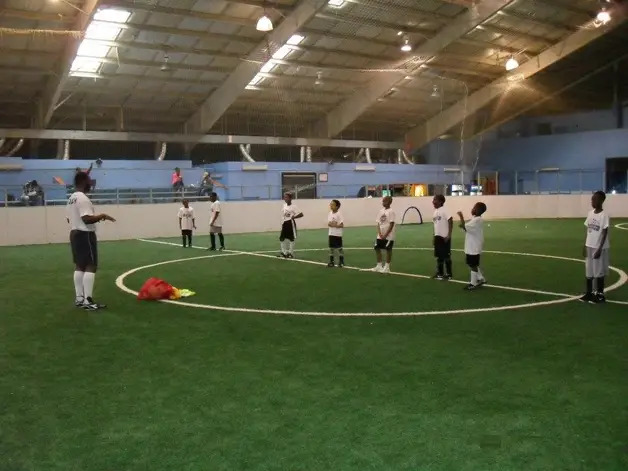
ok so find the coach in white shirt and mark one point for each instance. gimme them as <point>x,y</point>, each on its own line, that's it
<point>80,214</point>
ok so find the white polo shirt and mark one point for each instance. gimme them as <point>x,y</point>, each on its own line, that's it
<point>384,218</point>
<point>80,205</point>
<point>474,238</point>
<point>338,219</point>
<point>187,218</point>
<point>595,224</point>
<point>441,222</point>
<point>213,209</point>
<point>288,212</point>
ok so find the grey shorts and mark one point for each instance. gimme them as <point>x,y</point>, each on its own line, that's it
<point>215,229</point>
<point>596,268</point>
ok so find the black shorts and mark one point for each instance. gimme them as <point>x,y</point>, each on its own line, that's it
<point>473,260</point>
<point>442,248</point>
<point>84,248</point>
<point>288,231</point>
<point>384,244</point>
<point>335,242</point>
<point>186,232</point>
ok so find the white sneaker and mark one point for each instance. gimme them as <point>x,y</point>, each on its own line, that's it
<point>385,269</point>
<point>377,269</point>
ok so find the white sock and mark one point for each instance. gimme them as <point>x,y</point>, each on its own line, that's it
<point>284,247</point>
<point>88,284</point>
<point>387,265</point>
<point>291,248</point>
<point>474,278</point>
<point>480,276</point>
<point>78,284</point>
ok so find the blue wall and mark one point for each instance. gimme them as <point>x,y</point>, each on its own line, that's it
<point>112,174</point>
<point>343,179</point>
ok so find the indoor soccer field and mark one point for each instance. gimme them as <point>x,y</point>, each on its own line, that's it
<point>289,365</point>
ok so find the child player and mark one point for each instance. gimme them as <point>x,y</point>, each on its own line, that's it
<point>336,224</point>
<point>443,225</point>
<point>186,223</point>
<point>596,248</point>
<point>385,235</point>
<point>473,243</point>
<point>289,212</point>
<point>215,222</point>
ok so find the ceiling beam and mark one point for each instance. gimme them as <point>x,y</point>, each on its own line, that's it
<point>435,127</point>
<point>57,134</point>
<point>360,21</point>
<point>219,101</point>
<point>188,13</point>
<point>349,110</point>
<point>52,89</point>
<point>35,16</point>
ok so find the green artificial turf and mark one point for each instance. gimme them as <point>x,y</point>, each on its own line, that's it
<point>155,386</point>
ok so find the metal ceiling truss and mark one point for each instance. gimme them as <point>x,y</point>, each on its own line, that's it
<point>57,134</point>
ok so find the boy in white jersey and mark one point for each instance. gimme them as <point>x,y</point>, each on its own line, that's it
<point>386,229</point>
<point>336,224</point>
<point>82,219</point>
<point>289,212</point>
<point>186,223</point>
<point>596,249</point>
<point>473,243</point>
<point>215,222</point>
<point>443,226</point>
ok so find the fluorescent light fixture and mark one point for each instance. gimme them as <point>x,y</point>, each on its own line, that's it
<point>264,24</point>
<point>512,64</point>
<point>336,3</point>
<point>365,168</point>
<point>406,47</point>
<point>603,17</point>
<point>254,167</point>
<point>105,26</point>
<point>279,54</point>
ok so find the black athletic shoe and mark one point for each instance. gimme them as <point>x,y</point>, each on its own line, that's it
<point>222,248</point>
<point>212,249</point>
<point>289,255</point>
<point>587,298</point>
<point>480,283</point>
<point>282,255</point>
<point>446,278</point>
<point>91,305</point>
<point>341,265</point>
<point>599,298</point>
<point>79,302</point>
<point>438,277</point>
<point>331,265</point>
<point>471,287</point>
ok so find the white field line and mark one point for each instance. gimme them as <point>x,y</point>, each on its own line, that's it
<point>263,253</point>
<point>622,225</point>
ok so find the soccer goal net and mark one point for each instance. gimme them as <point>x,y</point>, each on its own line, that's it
<point>412,215</point>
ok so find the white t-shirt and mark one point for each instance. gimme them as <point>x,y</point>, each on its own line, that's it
<point>213,209</point>
<point>441,222</point>
<point>595,224</point>
<point>80,205</point>
<point>384,218</point>
<point>187,218</point>
<point>289,211</point>
<point>474,238</point>
<point>338,219</point>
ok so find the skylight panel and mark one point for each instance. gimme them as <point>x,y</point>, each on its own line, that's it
<point>280,54</point>
<point>105,26</point>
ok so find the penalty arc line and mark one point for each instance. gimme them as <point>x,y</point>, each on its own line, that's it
<point>120,284</point>
<point>622,225</point>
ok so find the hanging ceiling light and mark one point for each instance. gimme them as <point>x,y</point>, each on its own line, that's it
<point>264,24</point>
<point>319,79</point>
<point>603,16</point>
<point>406,47</point>
<point>511,64</point>
<point>435,92</point>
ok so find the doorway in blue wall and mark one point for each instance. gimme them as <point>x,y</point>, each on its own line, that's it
<point>617,175</point>
<point>301,185</point>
